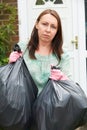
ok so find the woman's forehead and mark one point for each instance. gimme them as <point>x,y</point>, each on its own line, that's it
<point>48,17</point>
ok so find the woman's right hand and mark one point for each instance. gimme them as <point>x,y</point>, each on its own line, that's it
<point>14,56</point>
<point>57,74</point>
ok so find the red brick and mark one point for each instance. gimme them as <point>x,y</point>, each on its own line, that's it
<point>15,38</point>
<point>9,1</point>
<point>3,17</point>
<point>0,22</point>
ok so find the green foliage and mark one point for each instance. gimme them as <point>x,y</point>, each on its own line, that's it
<point>6,31</point>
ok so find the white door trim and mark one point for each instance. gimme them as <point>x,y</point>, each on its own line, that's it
<point>82,44</point>
<point>23,19</point>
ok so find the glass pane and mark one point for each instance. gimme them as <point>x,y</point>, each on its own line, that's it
<point>42,2</point>
<point>86,21</point>
<point>58,2</point>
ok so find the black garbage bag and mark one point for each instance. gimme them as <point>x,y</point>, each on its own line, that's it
<point>17,94</point>
<point>61,105</point>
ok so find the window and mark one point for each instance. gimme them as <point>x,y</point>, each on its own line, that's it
<point>43,2</point>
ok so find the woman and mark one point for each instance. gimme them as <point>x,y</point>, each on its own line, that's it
<point>44,50</point>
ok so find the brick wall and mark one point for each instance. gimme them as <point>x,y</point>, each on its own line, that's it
<point>4,17</point>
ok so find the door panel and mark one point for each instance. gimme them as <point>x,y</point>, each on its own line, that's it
<point>65,11</point>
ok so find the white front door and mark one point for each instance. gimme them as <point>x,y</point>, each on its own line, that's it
<point>72,16</point>
<point>82,45</point>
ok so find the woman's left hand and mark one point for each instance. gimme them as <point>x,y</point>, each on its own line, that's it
<point>57,74</point>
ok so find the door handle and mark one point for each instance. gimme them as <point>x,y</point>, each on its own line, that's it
<point>75,42</point>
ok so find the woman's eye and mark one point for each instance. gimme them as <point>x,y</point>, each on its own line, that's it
<point>54,27</point>
<point>44,24</point>
<point>51,26</point>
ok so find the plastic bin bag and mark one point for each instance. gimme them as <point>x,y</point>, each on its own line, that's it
<point>17,94</point>
<point>61,105</point>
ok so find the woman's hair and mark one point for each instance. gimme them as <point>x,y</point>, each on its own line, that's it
<point>57,41</point>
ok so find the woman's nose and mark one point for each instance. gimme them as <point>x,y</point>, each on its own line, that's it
<point>48,28</point>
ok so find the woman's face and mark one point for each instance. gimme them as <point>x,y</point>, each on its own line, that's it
<point>47,28</point>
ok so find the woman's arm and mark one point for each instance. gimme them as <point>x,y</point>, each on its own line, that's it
<point>17,52</point>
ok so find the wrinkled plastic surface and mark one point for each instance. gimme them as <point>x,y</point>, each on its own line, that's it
<point>61,105</point>
<point>17,94</point>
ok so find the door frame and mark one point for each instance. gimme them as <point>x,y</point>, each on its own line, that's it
<point>82,44</point>
<point>23,19</point>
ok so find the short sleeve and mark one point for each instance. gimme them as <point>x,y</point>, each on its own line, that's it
<point>23,45</point>
<point>65,64</point>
